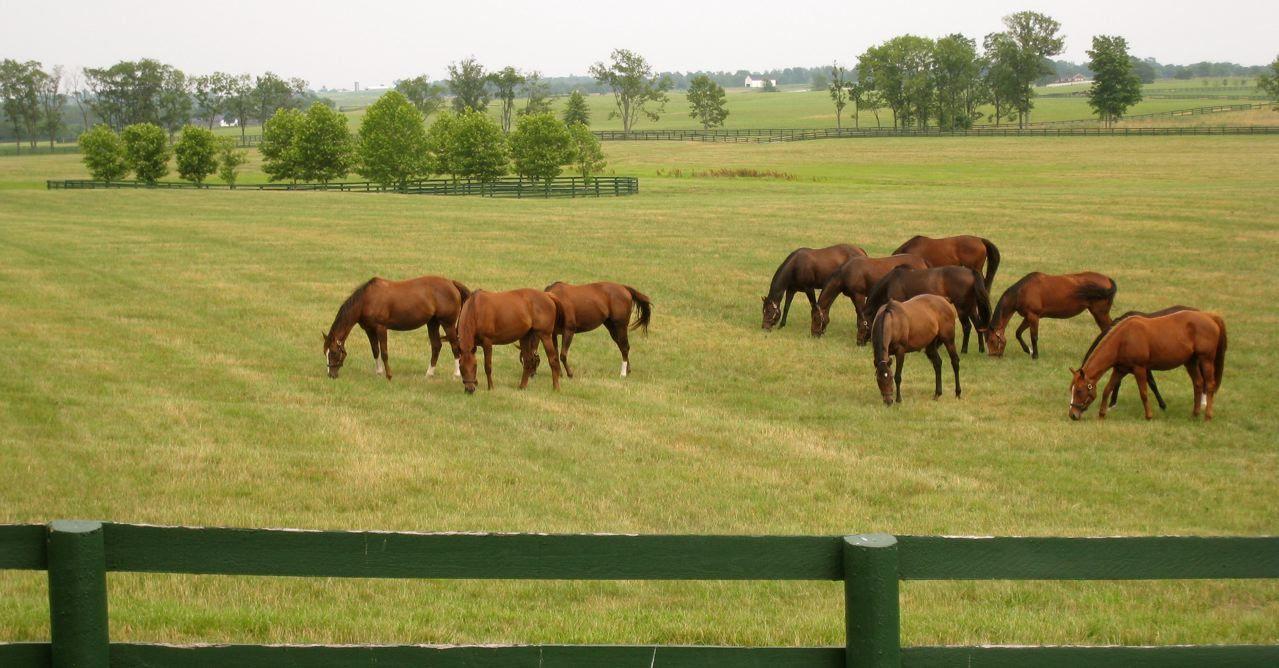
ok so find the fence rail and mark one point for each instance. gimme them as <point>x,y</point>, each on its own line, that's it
<point>789,135</point>
<point>599,186</point>
<point>77,556</point>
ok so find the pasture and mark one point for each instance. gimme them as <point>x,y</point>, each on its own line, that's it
<point>162,364</point>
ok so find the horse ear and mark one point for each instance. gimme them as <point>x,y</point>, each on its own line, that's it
<point>1073,371</point>
<point>764,299</point>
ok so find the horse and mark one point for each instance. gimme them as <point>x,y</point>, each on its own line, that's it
<point>1150,376</point>
<point>1038,295</point>
<point>603,303</point>
<point>380,305</point>
<point>525,315</point>
<point>804,270</point>
<point>961,251</point>
<point>920,323</point>
<point>854,279</point>
<point>963,286</point>
<point>1188,338</point>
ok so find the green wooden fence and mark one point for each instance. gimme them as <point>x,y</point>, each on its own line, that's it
<point>564,186</point>
<point>77,556</point>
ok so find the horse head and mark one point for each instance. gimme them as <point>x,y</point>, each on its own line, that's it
<point>467,365</point>
<point>334,354</point>
<point>1082,393</point>
<point>821,319</point>
<point>772,312</point>
<point>884,378</point>
<point>995,342</point>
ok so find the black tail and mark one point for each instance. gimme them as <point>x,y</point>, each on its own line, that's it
<point>992,262</point>
<point>645,306</point>
<point>1092,292</point>
<point>983,301</point>
<point>1219,362</point>
<point>463,290</point>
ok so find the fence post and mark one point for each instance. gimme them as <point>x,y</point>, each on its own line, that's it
<point>871,615</point>
<point>78,595</point>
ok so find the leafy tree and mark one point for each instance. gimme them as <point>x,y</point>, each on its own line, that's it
<point>819,81</point>
<point>537,95</point>
<point>477,147</point>
<point>576,110</point>
<point>1037,38</point>
<point>469,84</point>
<point>209,92</point>
<point>325,150</point>
<point>839,88</point>
<point>870,100</point>
<point>52,100</point>
<point>75,85</point>
<point>229,160</point>
<point>392,147</point>
<point>238,101</point>
<point>279,145</point>
<point>1268,82</point>
<point>588,156</point>
<point>426,96</point>
<point>196,154</point>
<point>143,91</point>
<point>902,71</point>
<point>540,146</point>
<point>706,102</point>
<point>1115,85</point>
<point>20,93</point>
<point>957,79</point>
<point>506,81</point>
<point>1001,85</point>
<point>271,92</point>
<point>634,87</point>
<point>174,104</point>
<point>146,151</point>
<point>439,144</point>
<point>103,153</point>
<point>1144,70</point>
<point>770,86</point>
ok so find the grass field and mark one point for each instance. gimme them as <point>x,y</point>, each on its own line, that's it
<point>162,364</point>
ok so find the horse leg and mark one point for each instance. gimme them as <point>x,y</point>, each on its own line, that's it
<point>967,324</point>
<point>790,294</point>
<point>1140,373</point>
<point>1034,336</point>
<point>981,334</point>
<point>488,362</point>
<point>1100,314</point>
<point>859,305</point>
<point>1154,388</point>
<point>897,377</point>
<point>377,362</point>
<point>548,343</point>
<point>1025,323</point>
<point>433,331</point>
<point>931,352</point>
<point>1208,369</point>
<point>1197,381</point>
<point>618,331</point>
<point>450,333</point>
<point>528,346</point>
<point>381,344</point>
<point>1112,388</point>
<point>563,345</point>
<point>954,363</point>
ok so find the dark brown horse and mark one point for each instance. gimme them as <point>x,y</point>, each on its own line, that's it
<point>1150,376</point>
<point>854,279</point>
<point>607,304</point>
<point>1136,345</point>
<point>920,323</point>
<point>1038,295</point>
<point>380,305</point>
<point>961,285</point>
<point>497,318</point>
<point>961,251</point>
<point>804,270</point>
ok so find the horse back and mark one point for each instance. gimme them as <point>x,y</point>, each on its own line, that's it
<point>594,303</point>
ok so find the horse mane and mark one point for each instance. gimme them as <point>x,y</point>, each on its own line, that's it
<point>466,317</point>
<point>344,311</point>
<point>1010,296</point>
<point>551,285</point>
<point>1128,314</point>
<point>878,291</point>
<point>902,248</point>
<point>775,287</point>
<point>877,330</point>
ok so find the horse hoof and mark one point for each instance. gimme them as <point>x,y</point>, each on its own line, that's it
<point>430,372</point>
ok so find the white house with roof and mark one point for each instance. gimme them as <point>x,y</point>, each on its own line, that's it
<point>752,82</point>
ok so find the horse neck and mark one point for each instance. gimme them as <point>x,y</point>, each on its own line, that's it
<point>781,280</point>
<point>466,325</point>
<point>1102,357</point>
<point>1004,309</point>
<point>345,320</point>
<point>830,292</point>
<point>880,336</point>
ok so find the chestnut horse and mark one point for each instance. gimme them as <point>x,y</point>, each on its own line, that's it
<point>525,315</point>
<point>804,270</point>
<point>607,304</point>
<point>1038,295</point>
<point>920,323</point>
<point>961,285</point>
<point>962,251</point>
<point>379,305</point>
<point>1150,376</point>
<point>854,279</point>
<point>1135,345</point>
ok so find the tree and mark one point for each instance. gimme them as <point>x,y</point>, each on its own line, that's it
<point>271,92</point>
<point>146,151</point>
<point>870,100</point>
<point>588,157</point>
<point>174,105</point>
<point>506,81</point>
<point>52,100</point>
<point>20,94</point>
<point>229,160</point>
<point>902,71</point>
<point>1144,69</point>
<point>477,147</point>
<point>238,101</point>
<point>439,144</point>
<point>540,146</point>
<point>634,87</point>
<point>469,85</point>
<point>1000,54</point>
<point>75,84</point>
<point>537,95</point>
<point>196,154</point>
<point>209,92</point>
<point>576,110</point>
<point>706,102</point>
<point>325,150</point>
<point>103,153</point>
<point>132,92</point>
<point>392,147</point>
<point>839,86</point>
<point>1115,86</point>
<point>421,93</point>
<point>819,81</point>
<point>1268,82</point>
<point>957,80</point>
<point>279,145</point>
<point>1036,37</point>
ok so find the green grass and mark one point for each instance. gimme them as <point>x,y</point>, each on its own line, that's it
<point>162,364</point>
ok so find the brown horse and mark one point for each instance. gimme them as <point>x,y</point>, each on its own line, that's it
<point>1039,295</point>
<point>1150,376</point>
<point>920,323</point>
<point>525,316</point>
<point>380,305</point>
<point>607,304</point>
<point>854,279</point>
<point>962,251</point>
<point>804,270</point>
<point>961,285</point>
<point>1191,339</point>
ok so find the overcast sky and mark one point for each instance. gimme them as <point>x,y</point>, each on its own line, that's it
<point>335,44</point>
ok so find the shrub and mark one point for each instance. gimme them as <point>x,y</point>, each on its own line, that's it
<point>229,160</point>
<point>588,157</point>
<point>477,148</point>
<point>541,145</point>
<point>196,154</point>
<point>103,154</point>
<point>324,147</point>
<point>146,151</point>
<point>279,145</point>
<point>439,140</point>
<point>392,146</point>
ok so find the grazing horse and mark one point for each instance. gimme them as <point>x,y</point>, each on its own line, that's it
<point>379,305</point>
<point>1136,345</point>
<point>854,279</point>
<point>1150,376</point>
<point>524,315</point>
<point>1039,295</point>
<point>804,270</point>
<point>920,323</point>
<point>962,251</point>
<point>607,304</point>
<point>961,285</point>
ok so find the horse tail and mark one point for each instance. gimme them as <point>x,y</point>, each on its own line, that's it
<point>562,317</point>
<point>902,248</point>
<point>462,290</point>
<point>983,301</point>
<point>645,306</point>
<point>1090,292</point>
<point>992,262</point>
<point>1219,362</point>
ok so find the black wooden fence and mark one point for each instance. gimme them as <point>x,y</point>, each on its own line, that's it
<point>78,556</point>
<point>766,136</point>
<point>566,186</point>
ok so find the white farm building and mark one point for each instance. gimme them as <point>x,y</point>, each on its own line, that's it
<point>752,82</point>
